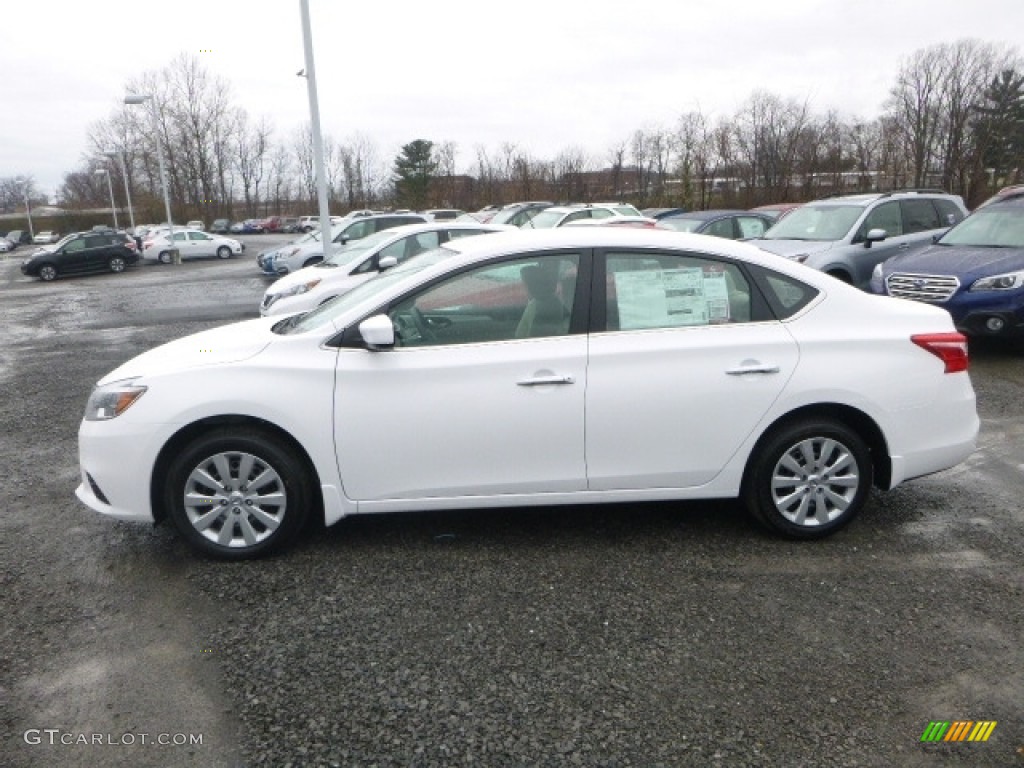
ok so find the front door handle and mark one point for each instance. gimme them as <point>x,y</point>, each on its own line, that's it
<point>745,369</point>
<point>538,381</point>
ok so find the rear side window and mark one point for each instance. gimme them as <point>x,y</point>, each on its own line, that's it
<point>785,295</point>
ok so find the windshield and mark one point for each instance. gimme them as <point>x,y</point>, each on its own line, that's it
<point>66,239</point>
<point>992,227</point>
<point>327,311</point>
<point>626,210</point>
<point>545,219</point>
<point>816,222</point>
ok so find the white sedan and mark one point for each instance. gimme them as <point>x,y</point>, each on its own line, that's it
<point>358,261</point>
<point>191,244</point>
<point>570,366</point>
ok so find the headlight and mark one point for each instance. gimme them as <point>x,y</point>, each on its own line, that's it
<point>1006,282</point>
<point>282,255</point>
<point>299,289</point>
<point>111,400</point>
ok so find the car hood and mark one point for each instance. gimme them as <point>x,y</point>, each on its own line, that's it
<point>792,248</point>
<point>963,260</point>
<point>217,346</point>
<point>300,276</point>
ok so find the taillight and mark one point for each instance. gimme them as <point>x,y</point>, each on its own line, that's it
<point>951,348</point>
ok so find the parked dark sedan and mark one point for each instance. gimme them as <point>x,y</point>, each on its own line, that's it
<point>661,213</point>
<point>733,225</point>
<point>83,252</point>
<point>975,271</point>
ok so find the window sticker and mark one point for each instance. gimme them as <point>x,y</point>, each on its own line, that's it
<point>667,298</point>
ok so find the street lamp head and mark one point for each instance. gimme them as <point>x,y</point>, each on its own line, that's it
<point>136,98</point>
<point>101,172</point>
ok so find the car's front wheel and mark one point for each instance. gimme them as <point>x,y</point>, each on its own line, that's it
<point>116,264</point>
<point>47,272</point>
<point>224,252</point>
<point>237,494</point>
<point>808,478</point>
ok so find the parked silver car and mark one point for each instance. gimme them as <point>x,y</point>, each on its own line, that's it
<point>307,254</point>
<point>847,236</point>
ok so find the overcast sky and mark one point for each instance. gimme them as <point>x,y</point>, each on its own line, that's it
<point>542,75</point>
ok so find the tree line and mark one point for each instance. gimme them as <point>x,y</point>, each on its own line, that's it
<point>953,118</point>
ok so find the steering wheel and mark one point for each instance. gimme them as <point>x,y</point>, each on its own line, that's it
<point>422,326</point>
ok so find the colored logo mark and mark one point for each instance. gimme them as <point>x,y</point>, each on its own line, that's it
<point>958,730</point>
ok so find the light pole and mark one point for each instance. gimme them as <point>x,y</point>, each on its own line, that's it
<point>139,98</point>
<point>110,188</point>
<point>127,191</point>
<point>314,121</point>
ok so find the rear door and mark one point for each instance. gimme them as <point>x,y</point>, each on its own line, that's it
<point>681,369</point>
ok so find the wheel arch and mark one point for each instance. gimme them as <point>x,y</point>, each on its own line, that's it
<point>853,418</point>
<point>191,431</point>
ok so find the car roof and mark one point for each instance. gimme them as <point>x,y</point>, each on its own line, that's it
<point>707,215</point>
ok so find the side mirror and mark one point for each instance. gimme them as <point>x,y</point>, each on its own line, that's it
<point>378,332</point>
<point>387,263</point>
<point>874,236</point>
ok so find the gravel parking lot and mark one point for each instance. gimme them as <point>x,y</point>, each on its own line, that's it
<point>629,635</point>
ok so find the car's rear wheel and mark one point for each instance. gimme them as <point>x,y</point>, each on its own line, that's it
<point>165,257</point>
<point>47,272</point>
<point>237,494</point>
<point>311,261</point>
<point>224,252</point>
<point>808,478</point>
<point>116,264</point>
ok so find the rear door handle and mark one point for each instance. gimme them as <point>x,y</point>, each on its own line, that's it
<point>743,370</point>
<point>538,381</point>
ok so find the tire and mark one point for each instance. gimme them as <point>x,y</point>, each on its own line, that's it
<point>165,257</point>
<point>47,272</point>
<point>223,252</point>
<point>207,504</point>
<point>809,478</point>
<point>116,264</point>
<point>312,261</point>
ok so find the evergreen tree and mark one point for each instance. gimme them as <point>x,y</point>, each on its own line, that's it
<point>414,168</point>
<point>1000,125</point>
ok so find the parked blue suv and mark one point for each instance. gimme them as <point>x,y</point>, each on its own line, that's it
<point>975,271</point>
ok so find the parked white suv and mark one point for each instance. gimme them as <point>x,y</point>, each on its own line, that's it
<point>847,236</point>
<point>560,215</point>
<point>305,255</point>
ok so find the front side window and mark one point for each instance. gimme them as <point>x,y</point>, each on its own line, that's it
<point>523,298</point>
<point>646,291</point>
<point>919,216</point>
<point>887,216</point>
<point>75,245</point>
<point>720,228</point>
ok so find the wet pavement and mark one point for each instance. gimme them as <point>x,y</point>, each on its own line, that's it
<point>625,635</point>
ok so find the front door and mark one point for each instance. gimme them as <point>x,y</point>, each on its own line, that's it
<point>483,394</point>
